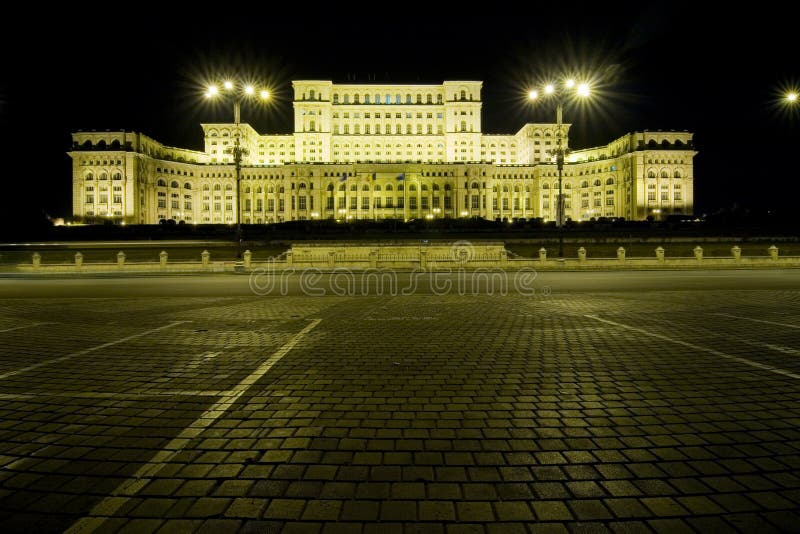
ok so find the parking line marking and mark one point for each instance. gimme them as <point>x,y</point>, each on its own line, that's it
<point>138,480</point>
<point>21,327</point>
<point>744,361</point>
<point>757,320</point>
<point>86,351</point>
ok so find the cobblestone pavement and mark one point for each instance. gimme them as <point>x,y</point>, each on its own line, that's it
<point>666,411</point>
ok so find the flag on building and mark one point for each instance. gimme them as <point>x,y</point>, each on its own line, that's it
<point>343,178</point>
<point>401,176</point>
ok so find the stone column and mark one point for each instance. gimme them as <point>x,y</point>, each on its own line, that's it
<point>698,253</point>
<point>120,259</point>
<point>660,254</point>
<point>162,259</point>
<point>582,255</point>
<point>205,258</point>
<point>621,254</point>
<point>773,253</point>
<point>36,259</point>
<point>737,253</point>
<point>78,259</point>
<point>247,257</point>
<point>542,254</point>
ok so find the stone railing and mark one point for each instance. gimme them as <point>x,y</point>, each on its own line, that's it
<point>429,257</point>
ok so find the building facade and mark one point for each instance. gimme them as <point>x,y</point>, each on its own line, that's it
<point>379,152</point>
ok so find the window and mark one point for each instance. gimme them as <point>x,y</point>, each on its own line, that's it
<point>302,202</point>
<point>117,199</point>
<point>412,203</point>
<point>364,203</point>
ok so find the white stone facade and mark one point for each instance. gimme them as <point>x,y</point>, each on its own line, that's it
<point>377,152</point>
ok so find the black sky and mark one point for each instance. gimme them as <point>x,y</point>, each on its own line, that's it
<point>657,66</point>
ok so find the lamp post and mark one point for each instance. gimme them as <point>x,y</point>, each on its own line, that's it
<point>570,88</point>
<point>237,92</point>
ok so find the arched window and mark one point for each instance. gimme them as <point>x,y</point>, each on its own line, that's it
<point>651,174</point>
<point>259,190</point>
<point>365,187</point>
<point>342,187</point>
<point>545,186</point>
<point>90,176</point>
<point>584,184</point>
<point>330,187</point>
<point>103,176</point>
<point>377,188</point>
<point>336,98</point>
<point>412,187</point>
<point>463,94</point>
<point>610,181</point>
<point>217,187</point>
<point>229,187</point>
<point>664,174</point>
<point>206,188</point>
<point>346,99</point>
<point>312,95</point>
<point>161,183</point>
<point>677,174</point>
<point>247,189</point>
<point>438,99</point>
<point>447,187</point>
<point>187,185</point>
<point>389,187</point>
<point>596,183</point>
<point>174,184</point>
<point>116,176</point>
<point>435,187</point>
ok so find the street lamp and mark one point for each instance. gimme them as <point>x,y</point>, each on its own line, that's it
<point>570,88</point>
<point>237,91</point>
<point>791,97</point>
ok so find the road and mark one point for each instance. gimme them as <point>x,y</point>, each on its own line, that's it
<point>314,282</point>
<point>636,401</point>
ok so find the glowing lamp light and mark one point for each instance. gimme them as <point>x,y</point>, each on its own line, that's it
<point>212,91</point>
<point>791,97</point>
<point>569,84</point>
<point>549,89</point>
<point>249,90</point>
<point>533,94</point>
<point>228,85</point>
<point>584,90</point>
<point>264,94</point>
<point>464,213</point>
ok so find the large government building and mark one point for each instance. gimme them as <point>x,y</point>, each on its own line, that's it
<point>379,152</point>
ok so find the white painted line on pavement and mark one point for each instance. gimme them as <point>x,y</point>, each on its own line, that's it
<point>744,361</point>
<point>108,506</point>
<point>757,320</point>
<point>21,327</point>
<point>86,351</point>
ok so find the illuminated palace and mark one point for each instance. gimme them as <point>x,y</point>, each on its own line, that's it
<point>378,152</point>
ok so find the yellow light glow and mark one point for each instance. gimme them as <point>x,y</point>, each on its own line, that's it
<point>249,90</point>
<point>533,94</point>
<point>569,84</point>
<point>549,89</point>
<point>791,97</point>
<point>264,94</point>
<point>584,90</point>
<point>212,90</point>
<point>228,85</point>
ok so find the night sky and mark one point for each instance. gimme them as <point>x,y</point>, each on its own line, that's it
<point>654,66</point>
